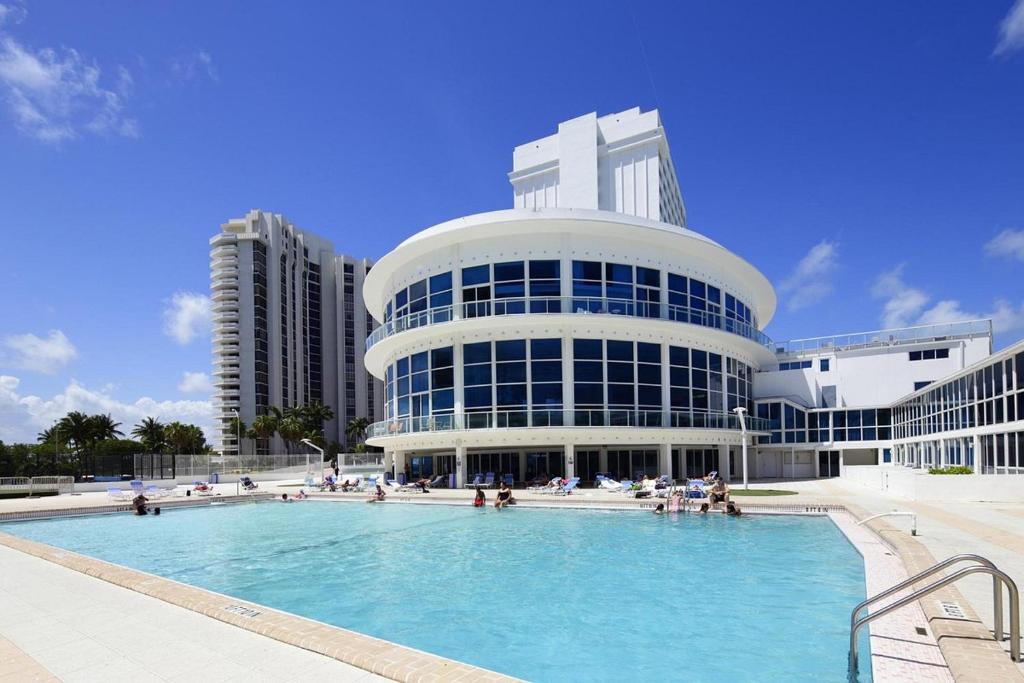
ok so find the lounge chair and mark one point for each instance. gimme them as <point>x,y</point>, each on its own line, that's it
<point>695,489</point>
<point>153,491</point>
<point>137,486</point>
<point>552,486</point>
<point>488,481</point>
<point>436,481</point>
<point>202,488</point>
<point>509,480</point>
<point>477,481</point>
<point>248,485</point>
<point>609,484</point>
<point>627,487</point>
<point>118,494</point>
<point>567,487</point>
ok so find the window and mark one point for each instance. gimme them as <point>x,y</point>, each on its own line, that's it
<point>476,291</point>
<point>509,288</point>
<point>929,354</point>
<point>588,369</point>
<point>545,287</point>
<point>921,385</point>
<point>823,365</point>
<point>546,381</point>
<point>796,365</point>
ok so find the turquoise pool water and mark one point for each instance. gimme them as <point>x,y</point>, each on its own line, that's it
<point>546,595</point>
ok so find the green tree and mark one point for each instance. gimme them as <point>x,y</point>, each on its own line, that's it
<point>291,429</point>
<point>314,416</point>
<point>102,428</point>
<point>356,428</point>
<point>151,433</point>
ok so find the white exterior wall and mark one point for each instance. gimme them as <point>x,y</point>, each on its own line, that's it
<point>867,377</point>
<point>619,162</point>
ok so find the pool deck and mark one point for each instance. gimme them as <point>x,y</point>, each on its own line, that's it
<point>899,651</point>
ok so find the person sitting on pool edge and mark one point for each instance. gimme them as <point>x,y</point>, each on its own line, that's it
<point>377,496</point>
<point>719,492</point>
<point>480,499</point>
<point>733,510</point>
<point>504,496</point>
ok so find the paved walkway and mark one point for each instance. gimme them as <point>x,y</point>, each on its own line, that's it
<point>59,624</point>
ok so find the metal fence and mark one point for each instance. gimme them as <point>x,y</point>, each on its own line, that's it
<point>201,467</point>
<point>33,485</point>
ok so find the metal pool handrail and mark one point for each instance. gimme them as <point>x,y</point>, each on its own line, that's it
<point>931,588</point>
<point>955,559</point>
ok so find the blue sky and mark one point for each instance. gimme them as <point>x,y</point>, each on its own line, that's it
<point>866,156</point>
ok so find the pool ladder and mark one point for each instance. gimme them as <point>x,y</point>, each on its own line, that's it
<point>981,566</point>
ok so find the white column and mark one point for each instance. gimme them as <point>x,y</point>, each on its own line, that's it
<point>602,459</point>
<point>399,462</point>
<point>841,461</point>
<point>723,461</point>
<point>570,460</point>
<point>665,459</point>
<point>458,379</point>
<point>568,395</point>
<point>792,463</point>
<point>817,464</point>
<point>460,466</point>
<point>389,462</point>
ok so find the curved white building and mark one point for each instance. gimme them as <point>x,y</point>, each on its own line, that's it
<point>579,333</point>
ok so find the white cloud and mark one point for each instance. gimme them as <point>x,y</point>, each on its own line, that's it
<point>46,355</point>
<point>810,281</point>
<point>56,95</point>
<point>195,383</point>
<point>22,417</point>
<point>12,13</point>
<point>1011,30</point>
<point>1008,243</point>
<point>195,64</point>
<point>906,305</point>
<point>187,316</point>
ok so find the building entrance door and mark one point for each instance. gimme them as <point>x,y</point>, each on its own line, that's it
<point>828,463</point>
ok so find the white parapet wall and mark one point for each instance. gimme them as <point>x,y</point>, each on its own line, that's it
<point>913,484</point>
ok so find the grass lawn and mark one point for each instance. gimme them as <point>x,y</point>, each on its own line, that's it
<point>760,492</point>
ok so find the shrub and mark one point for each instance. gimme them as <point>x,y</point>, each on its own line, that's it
<point>954,469</point>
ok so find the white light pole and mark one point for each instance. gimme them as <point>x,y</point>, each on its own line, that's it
<point>740,412</point>
<point>320,451</point>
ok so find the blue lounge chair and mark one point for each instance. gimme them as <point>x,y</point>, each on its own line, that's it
<point>626,486</point>
<point>477,481</point>
<point>695,489</point>
<point>509,480</point>
<point>489,481</point>
<point>567,487</point>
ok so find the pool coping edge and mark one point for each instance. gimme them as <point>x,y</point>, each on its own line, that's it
<point>374,655</point>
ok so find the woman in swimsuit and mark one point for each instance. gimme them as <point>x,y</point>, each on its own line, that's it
<point>504,496</point>
<point>480,499</point>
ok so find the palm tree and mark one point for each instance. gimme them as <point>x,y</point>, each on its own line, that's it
<point>103,427</point>
<point>356,428</point>
<point>263,427</point>
<point>291,430</point>
<point>151,433</point>
<point>315,415</point>
<point>239,430</point>
<point>78,428</point>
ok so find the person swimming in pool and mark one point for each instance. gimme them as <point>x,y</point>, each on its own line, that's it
<point>139,503</point>
<point>660,510</point>
<point>733,510</point>
<point>704,507</point>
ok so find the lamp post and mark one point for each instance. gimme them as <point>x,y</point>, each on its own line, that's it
<point>740,412</point>
<point>318,450</point>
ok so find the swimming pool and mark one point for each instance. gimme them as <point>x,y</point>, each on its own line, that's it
<point>542,594</point>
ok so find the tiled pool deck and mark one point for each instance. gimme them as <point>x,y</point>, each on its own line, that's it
<point>899,651</point>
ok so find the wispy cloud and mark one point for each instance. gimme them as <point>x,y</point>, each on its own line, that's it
<point>1008,244</point>
<point>810,281</point>
<point>1011,30</point>
<point>195,383</point>
<point>57,94</point>
<point>196,64</point>
<point>38,354</point>
<point>906,305</point>
<point>23,416</point>
<point>187,316</point>
<point>12,13</point>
